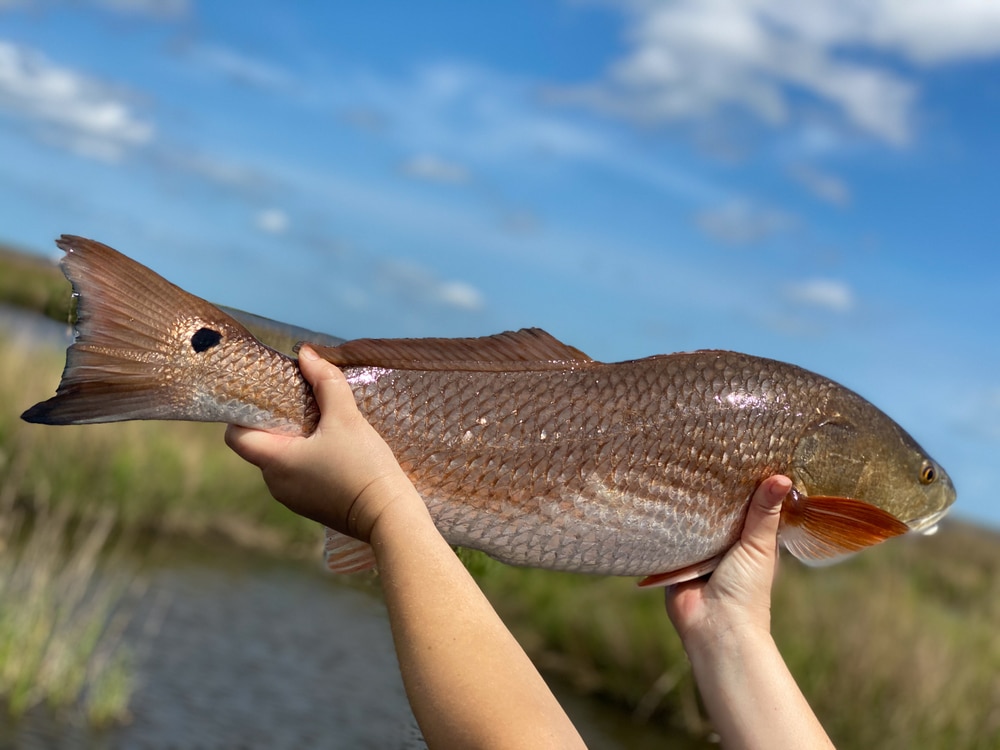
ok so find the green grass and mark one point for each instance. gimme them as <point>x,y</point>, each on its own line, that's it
<point>34,283</point>
<point>59,620</point>
<point>896,648</point>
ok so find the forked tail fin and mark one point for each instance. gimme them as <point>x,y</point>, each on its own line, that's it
<point>130,323</point>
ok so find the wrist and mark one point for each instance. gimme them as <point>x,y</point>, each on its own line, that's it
<point>401,513</point>
<point>719,643</point>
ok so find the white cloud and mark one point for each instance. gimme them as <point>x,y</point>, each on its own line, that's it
<point>435,169</point>
<point>272,221</point>
<point>693,59</point>
<point>408,281</point>
<point>829,294</point>
<point>83,114</point>
<point>461,295</point>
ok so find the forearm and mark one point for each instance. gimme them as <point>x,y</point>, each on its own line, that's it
<point>469,682</point>
<point>752,698</point>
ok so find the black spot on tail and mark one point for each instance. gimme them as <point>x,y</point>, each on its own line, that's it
<point>204,339</point>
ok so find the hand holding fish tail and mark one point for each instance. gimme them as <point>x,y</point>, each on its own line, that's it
<point>343,475</point>
<point>724,621</point>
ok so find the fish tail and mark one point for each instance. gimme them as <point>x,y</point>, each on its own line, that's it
<point>128,319</point>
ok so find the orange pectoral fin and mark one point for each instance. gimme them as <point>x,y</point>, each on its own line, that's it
<point>680,575</point>
<point>823,530</point>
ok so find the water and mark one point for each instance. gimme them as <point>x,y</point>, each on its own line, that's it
<point>27,328</point>
<point>241,651</point>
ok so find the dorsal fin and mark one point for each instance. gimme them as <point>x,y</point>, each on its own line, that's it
<point>527,349</point>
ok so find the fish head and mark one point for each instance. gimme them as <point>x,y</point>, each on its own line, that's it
<point>862,454</point>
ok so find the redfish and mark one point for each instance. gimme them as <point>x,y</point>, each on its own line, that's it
<point>523,446</point>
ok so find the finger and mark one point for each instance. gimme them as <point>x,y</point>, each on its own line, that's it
<point>760,530</point>
<point>254,446</point>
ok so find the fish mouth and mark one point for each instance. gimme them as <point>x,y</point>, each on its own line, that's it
<point>928,524</point>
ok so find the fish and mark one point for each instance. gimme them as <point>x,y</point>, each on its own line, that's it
<point>522,446</point>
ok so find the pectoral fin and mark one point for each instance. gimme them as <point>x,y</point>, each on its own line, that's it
<point>824,530</point>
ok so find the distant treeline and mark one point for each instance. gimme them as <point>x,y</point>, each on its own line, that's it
<point>34,283</point>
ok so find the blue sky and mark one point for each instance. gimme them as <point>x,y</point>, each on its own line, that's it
<point>815,182</point>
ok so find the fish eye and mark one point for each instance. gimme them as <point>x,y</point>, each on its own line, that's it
<point>928,473</point>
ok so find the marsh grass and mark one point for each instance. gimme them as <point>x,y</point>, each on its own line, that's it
<point>61,617</point>
<point>34,283</point>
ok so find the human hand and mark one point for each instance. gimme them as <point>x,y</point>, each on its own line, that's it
<point>737,595</point>
<point>343,475</point>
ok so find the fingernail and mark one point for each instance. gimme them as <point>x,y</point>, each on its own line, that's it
<point>307,352</point>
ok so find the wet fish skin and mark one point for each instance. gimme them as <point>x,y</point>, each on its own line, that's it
<point>523,446</point>
<point>639,466</point>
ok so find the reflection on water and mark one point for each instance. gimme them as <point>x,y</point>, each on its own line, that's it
<point>27,328</point>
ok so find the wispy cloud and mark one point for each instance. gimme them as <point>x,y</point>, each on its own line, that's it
<point>166,9</point>
<point>272,221</point>
<point>84,114</point>
<point>823,185</point>
<point>696,59</point>
<point>240,67</point>
<point>487,121</point>
<point>435,169</point>
<point>232,174</point>
<point>741,222</point>
<point>157,9</point>
<point>828,294</point>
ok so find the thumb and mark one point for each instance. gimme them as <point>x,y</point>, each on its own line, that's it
<point>329,385</point>
<point>760,530</point>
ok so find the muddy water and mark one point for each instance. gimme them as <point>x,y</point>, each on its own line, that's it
<point>246,653</point>
<point>237,651</point>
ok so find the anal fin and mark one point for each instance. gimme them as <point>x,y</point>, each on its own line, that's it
<point>345,554</point>
<point>688,573</point>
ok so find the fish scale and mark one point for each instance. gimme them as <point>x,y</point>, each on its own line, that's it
<point>521,445</point>
<point>600,452</point>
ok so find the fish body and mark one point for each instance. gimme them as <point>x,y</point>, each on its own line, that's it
<point>522,446</point>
